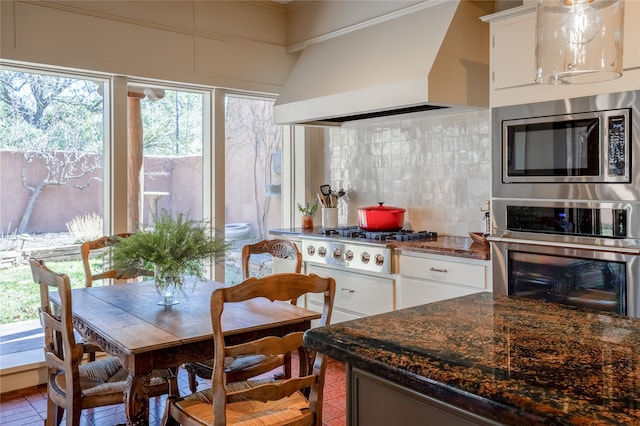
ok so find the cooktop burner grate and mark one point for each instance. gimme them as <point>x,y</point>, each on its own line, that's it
<point>356,233</point>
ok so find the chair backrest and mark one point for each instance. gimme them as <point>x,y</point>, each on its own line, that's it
<point>281,249</point>
<point>276,287</point>
<point>61,351</point>
<point>100,244</point>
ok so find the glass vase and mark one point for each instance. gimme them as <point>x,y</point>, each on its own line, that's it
<point>168,284</point>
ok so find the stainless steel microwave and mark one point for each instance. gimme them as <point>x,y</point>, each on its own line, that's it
<point>585,147</point>
<point>580,148</point>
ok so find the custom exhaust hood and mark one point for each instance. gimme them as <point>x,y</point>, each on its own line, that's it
<point>432,59</point>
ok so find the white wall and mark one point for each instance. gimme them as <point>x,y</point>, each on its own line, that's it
<point>437,167</point>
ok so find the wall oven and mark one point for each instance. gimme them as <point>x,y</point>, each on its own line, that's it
<point>584,254</point>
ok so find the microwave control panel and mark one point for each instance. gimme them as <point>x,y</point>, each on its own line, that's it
<point>617,142</point>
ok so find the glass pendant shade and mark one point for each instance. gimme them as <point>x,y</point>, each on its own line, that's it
<point>579,41</point>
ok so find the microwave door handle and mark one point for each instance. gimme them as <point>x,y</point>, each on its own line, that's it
<point>623,250</point>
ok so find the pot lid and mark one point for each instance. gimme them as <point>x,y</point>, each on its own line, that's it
<point>381,207</point>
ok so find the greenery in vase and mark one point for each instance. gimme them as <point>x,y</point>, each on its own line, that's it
<point>175,245</point>
<point>308,209</point>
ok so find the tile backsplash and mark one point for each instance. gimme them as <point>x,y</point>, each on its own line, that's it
<point>436,167</point>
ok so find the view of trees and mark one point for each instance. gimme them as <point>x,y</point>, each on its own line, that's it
<point>174,125</point>
<point>55,123</point>
<point>249,124</point>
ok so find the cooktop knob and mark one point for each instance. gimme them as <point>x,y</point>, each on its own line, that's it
<point>322,251</point>
<point>311,250</point>
<point>337,254</point>
<point>365,257</point>
<point>379,259</point>
<point>348,255</point>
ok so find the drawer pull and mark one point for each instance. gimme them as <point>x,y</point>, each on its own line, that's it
<point>432,269</point>
<point>348,290</point>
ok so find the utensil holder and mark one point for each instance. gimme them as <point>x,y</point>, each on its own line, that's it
<point>330,218</point>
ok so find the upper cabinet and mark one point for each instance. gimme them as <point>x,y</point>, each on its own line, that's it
<point>513,62</point>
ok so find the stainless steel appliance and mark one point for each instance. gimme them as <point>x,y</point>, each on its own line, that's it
<point>360,262</point>
<point>585,254</point>
<point>580,148</point>
<point>566,202</point>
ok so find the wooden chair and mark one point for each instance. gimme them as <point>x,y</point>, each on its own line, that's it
<point>251,365</point>
<point>89,276</point>
<point>280,249</point>
<point>265,401</point>
<point>71,386</point>
<point>100,244</point>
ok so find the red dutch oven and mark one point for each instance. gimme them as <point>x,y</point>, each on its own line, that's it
<point>381,218</point>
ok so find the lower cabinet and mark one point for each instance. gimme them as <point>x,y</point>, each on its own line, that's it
<point>428,278</point>
<point>358,294</point>
<point>373,401</point>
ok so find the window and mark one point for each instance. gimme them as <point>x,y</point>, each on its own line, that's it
<point>51,156</point>
<point>253,170</point>
<point>170,131</point>
<point>55,176</point>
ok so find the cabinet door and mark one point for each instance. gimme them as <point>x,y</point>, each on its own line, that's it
<point>414,292</point>
<point>357,294</point>
<point>513,51</point>
<point>376,401</point>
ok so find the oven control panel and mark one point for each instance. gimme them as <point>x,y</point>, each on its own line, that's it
<point>364,257</point>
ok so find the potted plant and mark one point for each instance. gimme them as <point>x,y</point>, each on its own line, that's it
<point>308,211</point>
<point>175,247</point>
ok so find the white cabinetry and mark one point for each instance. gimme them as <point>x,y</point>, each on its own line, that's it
<point>358,294</point>
<point>426,278</point>
<point>512,56</point>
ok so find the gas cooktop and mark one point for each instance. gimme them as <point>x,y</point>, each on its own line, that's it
<point>354,233</point>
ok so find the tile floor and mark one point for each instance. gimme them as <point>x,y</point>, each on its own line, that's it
<point>29,406</point>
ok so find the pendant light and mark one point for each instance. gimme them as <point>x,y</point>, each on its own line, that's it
<point>579,41</point>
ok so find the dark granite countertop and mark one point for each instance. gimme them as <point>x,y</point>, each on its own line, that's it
<point>517,361</point>
<point>444,245</point>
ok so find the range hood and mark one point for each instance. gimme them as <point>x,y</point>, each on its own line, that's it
<point>432,59</point>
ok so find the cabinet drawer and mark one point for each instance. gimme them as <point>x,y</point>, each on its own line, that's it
<point>336,315</point>
<point>414,292</point>
<point>367,297</point>
<point>443,271</point>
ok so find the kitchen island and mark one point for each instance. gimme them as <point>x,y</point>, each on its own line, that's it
<point>488,359</point>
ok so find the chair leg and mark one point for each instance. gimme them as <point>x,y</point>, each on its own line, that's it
<point>173,383</point>
<point>167,419</point>
<point>193,383</point>
<point>59,414</point>
<point>54,414</point>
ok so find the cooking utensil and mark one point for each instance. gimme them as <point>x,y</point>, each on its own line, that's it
<point>321,200</point>
<point>325,190</point>
<point>381,218</point>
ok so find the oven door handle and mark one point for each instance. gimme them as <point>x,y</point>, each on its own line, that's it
<point>624,250</point>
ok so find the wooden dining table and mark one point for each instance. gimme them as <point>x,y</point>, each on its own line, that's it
<point>126,321</point>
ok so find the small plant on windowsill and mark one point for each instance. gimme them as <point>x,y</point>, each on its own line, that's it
<point>308,211</point>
